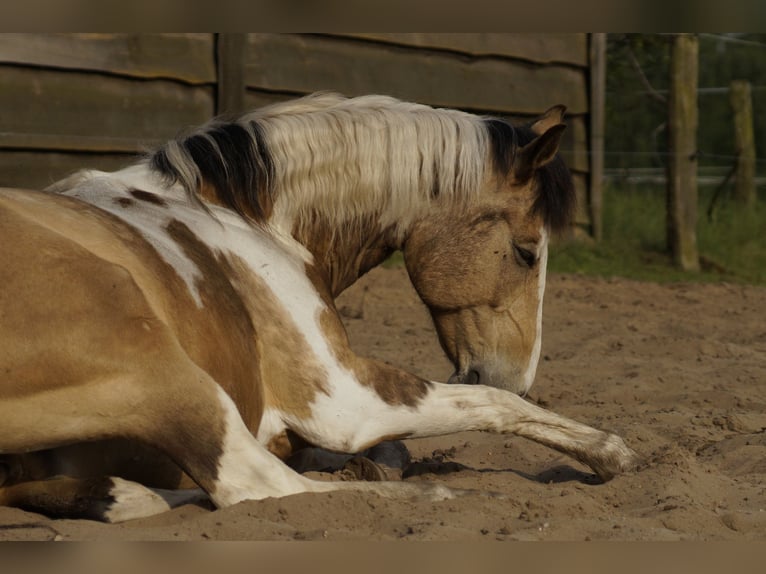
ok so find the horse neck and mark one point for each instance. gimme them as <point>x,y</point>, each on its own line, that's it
<point>345,247</point>
<point>343,253</point>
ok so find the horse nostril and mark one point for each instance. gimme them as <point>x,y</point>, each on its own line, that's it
<point>472,377</point>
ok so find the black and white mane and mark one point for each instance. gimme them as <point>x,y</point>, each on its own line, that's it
<point>349,154</point>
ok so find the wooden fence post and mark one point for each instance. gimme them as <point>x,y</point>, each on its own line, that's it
<point>682,148</point>
<point>230,72</point>
<point>742,106</point>
<point>597,112</point>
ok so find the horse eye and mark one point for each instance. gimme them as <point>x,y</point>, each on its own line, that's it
<point>524,256</point>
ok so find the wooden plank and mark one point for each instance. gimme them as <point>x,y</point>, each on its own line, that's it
<point>306,63</point>
<point>37,170</point>
<point>53,104</point>
<point>185,57</point>
<point>75,142</point>
<point>230,64</point>
<point>255,99</point>
<point>540,48</point>
<point>597,124</point>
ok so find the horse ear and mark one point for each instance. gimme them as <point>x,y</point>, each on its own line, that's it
<point>538,152</point>
<point>553,116</point>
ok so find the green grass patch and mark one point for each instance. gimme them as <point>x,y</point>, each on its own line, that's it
<point>395,260</point>
<point>732,246</point>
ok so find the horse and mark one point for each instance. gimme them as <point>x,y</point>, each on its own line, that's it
<point>169,331</point>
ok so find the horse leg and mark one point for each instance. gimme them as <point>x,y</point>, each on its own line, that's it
<point>168,403</point>
<point>107,499</point>
<point>196,424</point>
<point>177,408</point>
<point>246,470</point>
<point>365,414</point>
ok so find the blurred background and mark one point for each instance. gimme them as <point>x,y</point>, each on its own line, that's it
<point>729,146</point>
<point>643,110</point>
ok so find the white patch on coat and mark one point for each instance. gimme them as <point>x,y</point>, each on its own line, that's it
<point>103,190</point>
<point>350,417</point>
<point>534,358</point>
<point>272,423</point>
<point>133,500</point>
<point>246,469</point>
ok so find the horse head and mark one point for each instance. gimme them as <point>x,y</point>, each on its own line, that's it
<point>481,268</point>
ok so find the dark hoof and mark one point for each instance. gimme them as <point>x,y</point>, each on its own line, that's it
<point>392,453</point>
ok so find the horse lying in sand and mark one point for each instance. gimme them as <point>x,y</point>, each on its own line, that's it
<point>172,325</point>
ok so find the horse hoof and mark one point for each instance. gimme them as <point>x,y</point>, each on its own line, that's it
<point>393,454</point>
<point>362,468</point>
<point>615,458</point>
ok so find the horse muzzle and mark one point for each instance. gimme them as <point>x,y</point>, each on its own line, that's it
<point>508,379</point>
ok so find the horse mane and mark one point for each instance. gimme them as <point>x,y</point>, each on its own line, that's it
<point>348,155</point>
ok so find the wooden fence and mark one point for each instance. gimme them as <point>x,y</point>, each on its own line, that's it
<point>75,100</point>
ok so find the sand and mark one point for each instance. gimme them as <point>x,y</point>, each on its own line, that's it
<point>679,371</point>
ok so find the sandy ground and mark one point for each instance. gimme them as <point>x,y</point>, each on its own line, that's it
<point>679,371</point>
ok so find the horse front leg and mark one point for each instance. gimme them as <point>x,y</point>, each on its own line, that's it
<point>399,405</point>
<point>503,411</point>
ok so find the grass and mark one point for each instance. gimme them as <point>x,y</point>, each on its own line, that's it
<point>732,246</point>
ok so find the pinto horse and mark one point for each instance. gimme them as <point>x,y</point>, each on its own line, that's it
<point>172,324</point>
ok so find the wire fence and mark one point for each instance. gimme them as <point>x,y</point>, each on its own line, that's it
<point>636,102</point>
